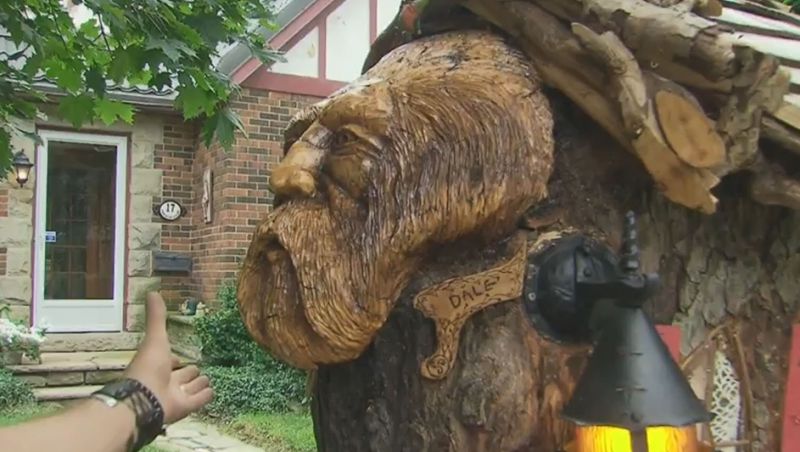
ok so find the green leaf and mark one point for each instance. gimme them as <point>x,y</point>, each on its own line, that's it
<point>96,81</point>
<point>5,151</point>
<point>161,80</point>
<point>33,65</point>
<point>121,65</point>
<point>77,109</point>
<point>227,125</point>
<point>172,49</point>
<point>65,74</point>
<point>89,29</point>
<point>110,110</point>
<point>193,100</point>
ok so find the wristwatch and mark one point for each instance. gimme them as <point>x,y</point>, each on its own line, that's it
<point>144,404</point>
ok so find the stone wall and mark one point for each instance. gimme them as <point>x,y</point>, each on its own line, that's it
<point>241,196</point>
<point>16,235</point>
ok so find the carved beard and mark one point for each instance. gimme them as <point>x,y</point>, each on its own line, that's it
<point>307,291</point>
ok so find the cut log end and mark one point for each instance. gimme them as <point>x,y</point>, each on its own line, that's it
<point>688,131</point>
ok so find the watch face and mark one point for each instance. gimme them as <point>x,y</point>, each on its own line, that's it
<point>170,210</point>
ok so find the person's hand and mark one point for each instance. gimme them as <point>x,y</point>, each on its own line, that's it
<point>182,391</point>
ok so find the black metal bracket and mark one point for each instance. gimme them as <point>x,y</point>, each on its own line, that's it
<point>566,282</point>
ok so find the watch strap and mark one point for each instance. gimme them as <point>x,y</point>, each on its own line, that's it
<point>147,409</point>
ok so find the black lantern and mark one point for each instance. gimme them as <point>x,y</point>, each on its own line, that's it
<point>632,396</point>
<point>22,167</point>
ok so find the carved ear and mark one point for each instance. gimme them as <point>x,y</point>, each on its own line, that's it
<point>300,123</point>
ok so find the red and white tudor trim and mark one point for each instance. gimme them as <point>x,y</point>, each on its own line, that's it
<point>324,45</point>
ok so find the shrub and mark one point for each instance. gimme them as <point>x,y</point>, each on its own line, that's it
<point>255,388</point>
<point>245,377</point>
<point>223,338</point>
<point>13,391</point>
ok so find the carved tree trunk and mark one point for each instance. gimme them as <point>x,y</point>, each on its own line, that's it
<point>505,393</point>
<point>655,102</point>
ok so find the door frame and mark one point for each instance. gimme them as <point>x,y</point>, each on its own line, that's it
<point>112,311</point>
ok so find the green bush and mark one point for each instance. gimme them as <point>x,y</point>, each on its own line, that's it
<point>245,377</point>
<point>223,338</point>
<point>255,388</point>
<point>13,391</point>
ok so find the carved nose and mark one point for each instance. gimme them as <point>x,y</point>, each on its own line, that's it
<point>296,175</point>
<point>292,181</point>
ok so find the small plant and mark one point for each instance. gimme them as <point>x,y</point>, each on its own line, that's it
<point>13,391</point>
<point>16,337</point>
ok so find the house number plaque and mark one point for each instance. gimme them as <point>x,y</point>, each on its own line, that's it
<point>170,210</point>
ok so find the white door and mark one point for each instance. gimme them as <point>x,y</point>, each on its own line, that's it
<point>79,243</point>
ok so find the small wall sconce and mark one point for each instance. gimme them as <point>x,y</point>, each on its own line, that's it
<point>22,167</point>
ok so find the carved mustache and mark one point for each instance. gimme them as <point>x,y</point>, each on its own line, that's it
<point>295,289</point>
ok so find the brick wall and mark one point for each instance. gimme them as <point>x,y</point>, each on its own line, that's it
<point>4,200</point>
<point>241,197</point>
<point>3,252</point>
<point>174,156</point>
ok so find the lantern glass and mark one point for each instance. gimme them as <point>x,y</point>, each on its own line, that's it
<point>22,167</point>
<point>614,439</point>
<point>23,172</point>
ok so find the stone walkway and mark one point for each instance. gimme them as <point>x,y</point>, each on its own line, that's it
<point>191,435</point>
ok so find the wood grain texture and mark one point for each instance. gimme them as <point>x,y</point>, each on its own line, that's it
<point>416,154</point>
<point>451,303</point>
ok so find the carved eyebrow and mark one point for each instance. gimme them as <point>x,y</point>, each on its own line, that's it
<point>364,135</point>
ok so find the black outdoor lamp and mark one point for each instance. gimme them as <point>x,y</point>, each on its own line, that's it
<point>632,396</point>
<point>22,167</point>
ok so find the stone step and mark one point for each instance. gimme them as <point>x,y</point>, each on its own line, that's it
<point>91,342</point>
<point>64,393</point>
<point>77,368</point>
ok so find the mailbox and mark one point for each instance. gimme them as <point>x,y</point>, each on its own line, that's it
<point>168,262</point>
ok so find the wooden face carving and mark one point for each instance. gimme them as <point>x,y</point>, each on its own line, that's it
<point>428,148</point>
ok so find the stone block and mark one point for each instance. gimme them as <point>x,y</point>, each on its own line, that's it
<point>36,381</point>
<point>18,261</point>
<point>146,181</point>
<point>141,209</point>
<point>135,317</point>
<point>15,290</point>
<point>18,312</point>
<point>142,154</point>
<point>64,378</point>
<point>148,128</point>
<point>80,342</point>
<point>138,288</point>
<point>20,203</point>
<point>16,232</point>
<point>139,263</point>
<point>101,377</point>
<point>145,236</point>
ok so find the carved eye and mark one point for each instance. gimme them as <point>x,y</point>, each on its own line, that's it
<point>342,138</point>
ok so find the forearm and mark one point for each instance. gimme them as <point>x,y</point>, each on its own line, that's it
<point>89,427</point>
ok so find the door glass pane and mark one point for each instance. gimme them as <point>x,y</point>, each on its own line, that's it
<point>79,245</point>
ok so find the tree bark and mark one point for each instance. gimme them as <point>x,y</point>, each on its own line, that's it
<point>504,394</point>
